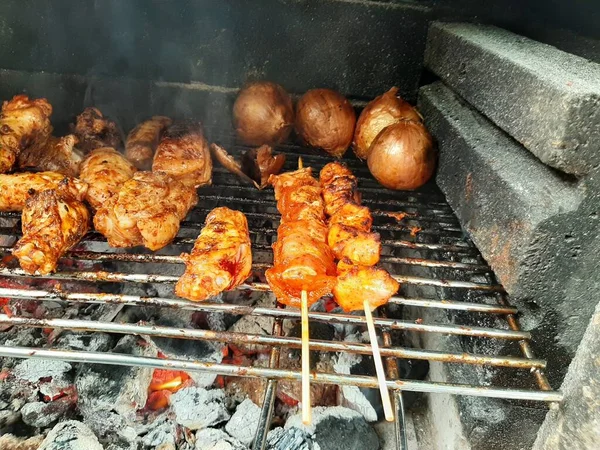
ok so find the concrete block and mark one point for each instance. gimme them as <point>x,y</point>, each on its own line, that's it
<point>536,230</point>
<point>547,99</point>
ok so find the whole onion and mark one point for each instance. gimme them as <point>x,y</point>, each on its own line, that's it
<point>378,114</point>
<point>325,119</point>
<point>402,155</point>
<point>263,114</point>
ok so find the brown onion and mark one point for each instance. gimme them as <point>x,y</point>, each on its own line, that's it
<point>378,114</point>
<point>263,114</point>
<point>325,119</point>
<point>402,156</point>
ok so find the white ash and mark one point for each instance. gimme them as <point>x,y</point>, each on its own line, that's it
<point>40,414</point>
<point>34,369</point>
<point>197,408</point>
<point>217,321</point>
<point>164,434</point>
<point>56,386</point>
<point>20,337</point>
<point>351,396</point>
<point>244,422</point>
<point>259,325</point>
<point>16,393</point>
<point>71,435</point>
<point>93,342</point>
<point>215,439</point>
<point>288,439</point>
<point>337,428</point>
<point>111,429</point>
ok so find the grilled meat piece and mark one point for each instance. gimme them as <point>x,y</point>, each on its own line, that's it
<point>16,188</point>
<point>221,258</point>
<point>353,215</point>
<point>24,124</point>
<point>183,153</point>
<point>58,155</point>
<point>143,139</point>
<point>105,170</point>
<point>94,131</point>
<point>260,163</point>
<point>358,246</point>
<point>53,222</point>
<point>302,260</point>
<point>355,284</point>
<point>147,211</point>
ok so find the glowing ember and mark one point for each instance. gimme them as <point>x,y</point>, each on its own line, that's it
<point>169,380</point>
<point>415,230</point>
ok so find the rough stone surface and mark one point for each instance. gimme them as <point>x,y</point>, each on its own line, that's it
<point>575,425</point>
<point>337,428</point>
<point>71,435</point>
<point>197,408</point>
<point>244,422</point>
<point>545,98</point>
<point>215,439</point>
<point>537,231</point>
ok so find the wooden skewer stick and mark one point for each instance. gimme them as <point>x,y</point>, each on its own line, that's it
<point>306,411</point>
<point>385,394</point>
<point>300,163</point>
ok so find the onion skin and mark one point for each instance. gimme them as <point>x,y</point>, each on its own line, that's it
<point>379,113</point>
<point>402,156</point>
<point>325,119</point>
<point>263,114</point>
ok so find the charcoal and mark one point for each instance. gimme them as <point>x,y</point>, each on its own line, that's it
<point>288,439</point>
<point>163,434</point>
<point>11,442</point>
<point>40,414</point>
<point>112,429</point>
<point>337,428</point>
<point>116,388</point>
<point>71,435</point>
<point>33,370</point>
<point>215,439</point>
<point>260,325</point>
<point>92,342</point>
<point>548,98</point>
<point>56,386</point>
<point>244,422</point>
<point>197,408</point>
<point>353,397</point>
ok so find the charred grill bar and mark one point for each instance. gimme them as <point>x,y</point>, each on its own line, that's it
<point>440,240</point>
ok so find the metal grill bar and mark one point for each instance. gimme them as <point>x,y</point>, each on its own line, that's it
<point>280,374</point>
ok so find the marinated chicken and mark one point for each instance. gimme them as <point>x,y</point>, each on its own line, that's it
<point>24,124</point>
<point>16,188</point>
<point>94,131</point>
<point>104,170</point>
<point>221,258</point>
<point>353,243</point>
<point>58,155</point>
<point>53,222</point>
<point>183,153</point>
<point>147,211</point>
<point>302,260</point>
<point>142,141</point>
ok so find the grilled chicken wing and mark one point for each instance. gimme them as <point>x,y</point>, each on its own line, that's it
<point>105,170</point>
<point>184,154</point>
<point>58,155</point>
<point>94,131</point>
<point>16,188</point>
<point>147,211</point>
<point>53,222</point>
<point>143,139</point>
<point>221,258</point>
<point>24,124</point>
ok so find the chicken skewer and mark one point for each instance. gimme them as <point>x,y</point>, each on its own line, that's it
<point>360,285</point>
<point>221,258</point>
<point>303,266</point>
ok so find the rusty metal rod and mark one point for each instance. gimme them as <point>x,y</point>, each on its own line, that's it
<point>316,377</point>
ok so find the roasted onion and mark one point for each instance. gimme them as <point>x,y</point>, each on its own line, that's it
<point>402,155</point>
<point>378,114</point>
<point>325,119</point>
<point>260,163</point>
<point>263,114</point>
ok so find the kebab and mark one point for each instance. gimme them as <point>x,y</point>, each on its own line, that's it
<point>303,264</point>
<point>221,258</point>
<point>359,285</point>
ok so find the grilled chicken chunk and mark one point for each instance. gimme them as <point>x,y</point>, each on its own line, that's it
<point>184,154</point>
<point>221,258</point>
<point>143,139</point>
<point>53,222</point>
<point>358,246</point>
<point>24,124</point>
<point>105,170</point>
<point>58,155</point>
<point>94,131</point>
<point>16,188</point>
<point>147,211</point>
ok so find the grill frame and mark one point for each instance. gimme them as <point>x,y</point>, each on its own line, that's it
<point>428,210</point>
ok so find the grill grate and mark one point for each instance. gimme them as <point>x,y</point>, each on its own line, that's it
<point>433,264</point>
